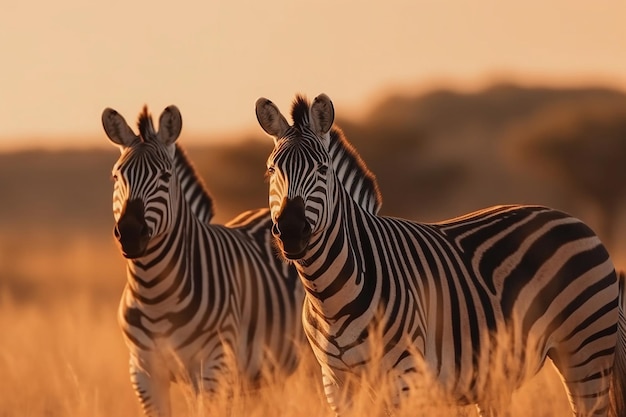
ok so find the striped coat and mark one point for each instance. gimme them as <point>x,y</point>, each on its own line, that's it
<point>203,303</point>
<point>449,300</point>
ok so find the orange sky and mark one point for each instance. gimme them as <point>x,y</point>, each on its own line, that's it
<point>64,61</point>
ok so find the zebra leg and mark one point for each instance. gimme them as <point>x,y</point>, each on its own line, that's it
<point>337,400</point>
<point>485,410</point>
<point>216,379</point>
<point>498,400</point>
<point>586,381</point>
<point>618,384</point>
<point>152,390</point>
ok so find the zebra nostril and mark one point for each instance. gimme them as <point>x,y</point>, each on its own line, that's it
<point>116,232</point>
<point>144,230</point>
<point>275,230</point>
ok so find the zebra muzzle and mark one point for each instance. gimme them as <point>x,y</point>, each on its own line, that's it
<point>291,229</point>
<point>131,230</point>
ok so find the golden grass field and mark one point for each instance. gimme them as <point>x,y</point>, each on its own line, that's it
<point>61,351</point>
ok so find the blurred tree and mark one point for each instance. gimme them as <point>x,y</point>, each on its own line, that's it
<point>400,154</point>
<point>584,145</point>
<point>436,154</point>
<point>234,175</point>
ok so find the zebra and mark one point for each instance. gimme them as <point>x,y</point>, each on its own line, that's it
<point>441,294</point>
<point>198,296</point>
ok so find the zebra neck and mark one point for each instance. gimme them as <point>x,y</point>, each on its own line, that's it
<point>333,273</point>
<point>167,266</point>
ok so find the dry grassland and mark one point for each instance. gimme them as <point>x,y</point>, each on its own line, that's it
<point>61,352</point>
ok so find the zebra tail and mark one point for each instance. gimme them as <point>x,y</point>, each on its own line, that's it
<point>618,383</point>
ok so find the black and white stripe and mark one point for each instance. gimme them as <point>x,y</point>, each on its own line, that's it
<point>198,296</point>
<point>526,282</point>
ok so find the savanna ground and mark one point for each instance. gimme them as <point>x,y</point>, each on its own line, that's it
<point>61,351</point>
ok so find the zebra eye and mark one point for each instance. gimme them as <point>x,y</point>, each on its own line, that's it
<point>114,177</point>
<point>271,170</point>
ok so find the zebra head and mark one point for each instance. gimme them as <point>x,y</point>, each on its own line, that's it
<point>299,169</point>
<point>144,177</point>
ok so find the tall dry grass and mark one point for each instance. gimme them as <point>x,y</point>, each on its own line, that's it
<point>61,351</point>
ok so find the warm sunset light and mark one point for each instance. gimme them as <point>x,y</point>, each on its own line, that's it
<point>64,61</point>
<point>482,180</point>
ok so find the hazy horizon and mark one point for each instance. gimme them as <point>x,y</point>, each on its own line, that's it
<point>235,135</point>
<point>71,59</point>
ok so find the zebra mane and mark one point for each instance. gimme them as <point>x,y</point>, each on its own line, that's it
<point>193,185</point>
<point>145,125</point>
<point>352,171</point>
<point>300,111</point>
<point>346,157</point>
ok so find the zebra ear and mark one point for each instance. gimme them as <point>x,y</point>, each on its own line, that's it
<point>170,125</point>
<point>270,118</point>
<point>117,129</point>
<point>322,115</point>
